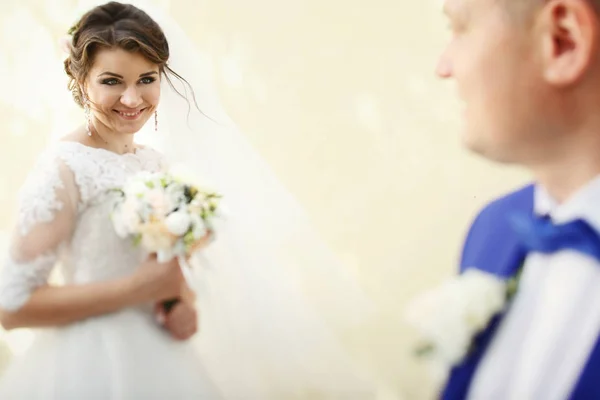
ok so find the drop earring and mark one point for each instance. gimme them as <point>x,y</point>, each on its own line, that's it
<point>155,121</point>
<point>88,116</point>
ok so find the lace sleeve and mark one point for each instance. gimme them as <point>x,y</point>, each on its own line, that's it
<point>155,160</point>
<point>46,217</point>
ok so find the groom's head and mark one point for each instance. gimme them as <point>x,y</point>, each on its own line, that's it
<point>528,72</point>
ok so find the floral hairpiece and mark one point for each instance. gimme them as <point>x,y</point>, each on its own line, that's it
<point>65,44</point>
<point>73,29</point>
<point>66,41</point>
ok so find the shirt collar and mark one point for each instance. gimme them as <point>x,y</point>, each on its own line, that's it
<point>584,204</point>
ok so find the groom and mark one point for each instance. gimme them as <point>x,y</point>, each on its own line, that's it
<point>528,72</point>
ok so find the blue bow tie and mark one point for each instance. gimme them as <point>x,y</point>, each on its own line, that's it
<point>540,234</point>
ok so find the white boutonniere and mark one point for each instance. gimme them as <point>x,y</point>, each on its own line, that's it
<point>449,317</point>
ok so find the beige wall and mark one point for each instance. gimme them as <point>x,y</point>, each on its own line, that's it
<point>339,96</point>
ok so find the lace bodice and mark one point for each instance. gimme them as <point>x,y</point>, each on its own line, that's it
<point>64,216</point>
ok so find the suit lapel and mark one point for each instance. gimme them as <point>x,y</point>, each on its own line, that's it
<point>491,246</point>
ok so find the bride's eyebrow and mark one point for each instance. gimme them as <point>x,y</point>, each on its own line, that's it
<point>107,73</point>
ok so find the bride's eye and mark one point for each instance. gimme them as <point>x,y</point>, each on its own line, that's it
<point>147,80</point>
<point>110,82</point>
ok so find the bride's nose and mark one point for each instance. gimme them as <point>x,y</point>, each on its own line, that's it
<point>131,97</point>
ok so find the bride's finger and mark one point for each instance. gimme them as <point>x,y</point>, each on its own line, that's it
<point>203,242</point>
<point>187,294</point>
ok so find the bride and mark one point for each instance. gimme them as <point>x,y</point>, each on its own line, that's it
<point>278,313</point>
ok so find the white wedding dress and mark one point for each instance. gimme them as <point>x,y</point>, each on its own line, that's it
<point>281,318</point>
<point>64,220</point>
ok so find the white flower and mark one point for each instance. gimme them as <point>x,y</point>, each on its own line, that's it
<point>126,217</point>
<point>450,316</point>
<point>130,214</point>
<point>175,196</point>
<point>178,223</point>
<point>159,202</point>
<point>200,229</point>
<point>136,187</point>
<point>156,237</point>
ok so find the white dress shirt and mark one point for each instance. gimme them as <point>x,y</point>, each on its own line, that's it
<point>543,343</point>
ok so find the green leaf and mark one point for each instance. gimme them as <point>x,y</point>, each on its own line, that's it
<point>137,239</point>
<point>512,285</point>
<point>73,29</point>
<point>188,238</point>
<point>424,350</point>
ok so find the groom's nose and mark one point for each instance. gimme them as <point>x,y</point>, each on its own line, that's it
<point>444,66</point>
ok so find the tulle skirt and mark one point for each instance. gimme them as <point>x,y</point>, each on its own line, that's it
<point>122,356</point>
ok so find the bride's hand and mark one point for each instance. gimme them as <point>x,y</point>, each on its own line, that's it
<point>202,242</point>
<point>154,281</point>
<point>181,321</point>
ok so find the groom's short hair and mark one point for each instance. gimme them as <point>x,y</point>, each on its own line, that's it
<point>524,7</point>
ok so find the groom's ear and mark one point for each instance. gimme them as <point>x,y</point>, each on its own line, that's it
<point>567,34</point>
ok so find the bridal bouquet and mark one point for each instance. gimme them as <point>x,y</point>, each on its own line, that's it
<point>165,215</point>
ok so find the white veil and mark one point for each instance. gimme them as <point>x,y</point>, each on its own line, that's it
<point>280,315</point>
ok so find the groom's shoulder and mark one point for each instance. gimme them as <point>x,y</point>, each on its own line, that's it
<point>517,200</point>
<point>492,217</point>
<point>490,232</point>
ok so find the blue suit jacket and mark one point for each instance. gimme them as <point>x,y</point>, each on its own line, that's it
<point>492,246</point>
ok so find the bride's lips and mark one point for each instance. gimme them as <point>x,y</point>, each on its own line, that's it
<point>130,115</point>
